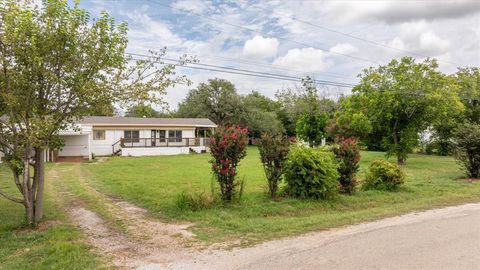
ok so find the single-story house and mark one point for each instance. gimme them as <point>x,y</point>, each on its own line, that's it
<point>129,136</point>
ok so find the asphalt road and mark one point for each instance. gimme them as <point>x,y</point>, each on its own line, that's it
<point>447,238</point>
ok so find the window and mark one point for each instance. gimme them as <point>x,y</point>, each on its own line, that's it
<point>98,135</point>
<point>131,136</point>
<point>175,136</point>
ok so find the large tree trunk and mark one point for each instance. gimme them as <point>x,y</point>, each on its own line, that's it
<point>40,178</point>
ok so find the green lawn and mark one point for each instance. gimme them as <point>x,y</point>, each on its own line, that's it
<point>54,245</point>
<point>155,182</point>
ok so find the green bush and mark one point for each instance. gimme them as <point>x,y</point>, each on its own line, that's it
<point>311,173</point>
<point>467,148</point>
<point>273,153</point>
<point>383,175</point>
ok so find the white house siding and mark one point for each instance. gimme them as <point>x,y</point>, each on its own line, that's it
<point>104,147</point>
<point>158,151</point>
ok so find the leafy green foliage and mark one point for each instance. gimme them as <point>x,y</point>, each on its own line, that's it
<point>228,147</point>
<point>145,110</point>
<point>469,81</point>
<point>467,148</point>
<point>217,100</point>
<point>273,153</point>
<point>311,173</point>
<point>260,115</point>
<point>350,125</point>
<point>383,175</point>
<point>56,65</point>
<point>348,156</point>
<point>312,128</point>
<point>294,103</point>
<point>403,99</point>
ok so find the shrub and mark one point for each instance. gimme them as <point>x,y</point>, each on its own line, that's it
<point>273,153</point>
<point>467,148</point>
<point>347,154</point>
<point>228,147</point>
<point>383,175</point>
<point>311,173</point>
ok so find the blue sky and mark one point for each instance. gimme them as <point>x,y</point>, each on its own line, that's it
<point>329,40</point>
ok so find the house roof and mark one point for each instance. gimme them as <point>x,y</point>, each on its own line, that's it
<point>136,121</point>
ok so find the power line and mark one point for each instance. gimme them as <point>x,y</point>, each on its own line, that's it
<point>260,32</point>
<point>252,73</point>
<point>352,36</point>
<point>239,70</point>
<point>272,66</point>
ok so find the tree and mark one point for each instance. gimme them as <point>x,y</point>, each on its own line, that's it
<point>467,148</point>
<point>273,153</point>
<point>349,121</point>
<point>227,147</point>
<point>260,115</point>
<point>305,98</point>
<point>469,81</point>
<point>347,154</point>
<point>403,98</point>
<point>142,110</point>
<point>312,128</point>
<point>217,100</point>
<point>102,108</point>
<point>55,63</point>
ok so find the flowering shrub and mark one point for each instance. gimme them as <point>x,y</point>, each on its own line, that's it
<point>348,156</point>
<point>273,153</point>
<point>228,147</point>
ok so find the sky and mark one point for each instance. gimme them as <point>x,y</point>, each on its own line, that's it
<point>328,40</point>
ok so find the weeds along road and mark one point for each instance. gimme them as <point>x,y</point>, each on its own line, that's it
<point>447,238</point>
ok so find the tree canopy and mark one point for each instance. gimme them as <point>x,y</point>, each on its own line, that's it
<point>217,100</point>
<point>404,98</point>
<point>56,63</point>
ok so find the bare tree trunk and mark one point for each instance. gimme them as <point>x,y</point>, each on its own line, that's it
<point>40,179</point>
<point>29,208</point>
<point>27,194</point>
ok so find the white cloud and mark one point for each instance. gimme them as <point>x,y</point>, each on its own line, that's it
<point>306,59</point>
<point>260,47</point>
<point>400,11</point>
<point>417,37</point>
<point>344,48</point>
<point>197,6</point>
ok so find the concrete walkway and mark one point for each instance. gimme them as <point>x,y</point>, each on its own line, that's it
<point>447,238</point>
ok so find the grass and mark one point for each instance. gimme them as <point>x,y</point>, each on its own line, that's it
<point>156,183</point>
<point>55,244</point>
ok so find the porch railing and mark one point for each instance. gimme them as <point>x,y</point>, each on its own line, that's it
<point>163,142</point>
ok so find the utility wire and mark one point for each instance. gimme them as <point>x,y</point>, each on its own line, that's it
<point>260,32</point>
<point>240,70</point>
<point>351,36</point>
<point>251,73</point>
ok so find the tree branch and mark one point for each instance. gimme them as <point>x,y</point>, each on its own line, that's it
<point>11,198</point>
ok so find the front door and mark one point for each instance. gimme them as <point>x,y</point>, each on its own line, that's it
<point>153,137</point>
<point>157,137</point>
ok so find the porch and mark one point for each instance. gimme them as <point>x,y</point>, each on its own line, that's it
<point>159,146</point>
